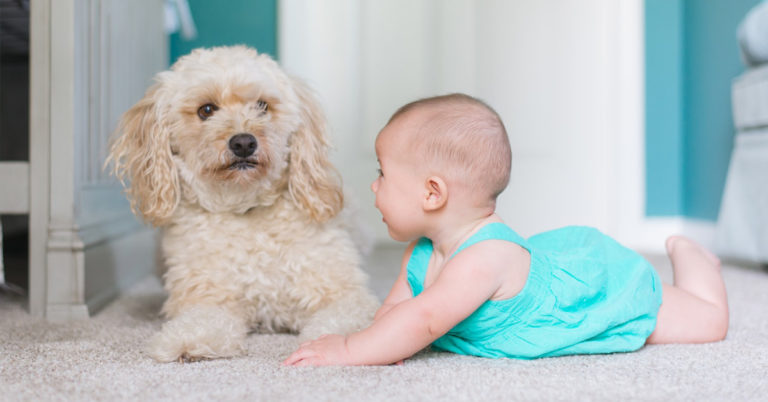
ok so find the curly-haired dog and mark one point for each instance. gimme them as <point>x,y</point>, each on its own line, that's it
<point>228,154</point>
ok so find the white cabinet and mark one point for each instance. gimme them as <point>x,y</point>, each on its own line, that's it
<point>89,60</point>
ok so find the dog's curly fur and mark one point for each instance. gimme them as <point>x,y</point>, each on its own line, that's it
<point>250,241</point>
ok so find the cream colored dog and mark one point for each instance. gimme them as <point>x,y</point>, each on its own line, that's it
<point>228,155</point>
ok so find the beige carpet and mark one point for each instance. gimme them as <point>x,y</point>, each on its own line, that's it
<point>101,359</point>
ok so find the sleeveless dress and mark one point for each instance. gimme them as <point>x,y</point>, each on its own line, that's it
<point>585,294</point>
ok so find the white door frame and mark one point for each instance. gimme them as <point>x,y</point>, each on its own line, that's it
<point>56,266</point>
<point>39,145</point>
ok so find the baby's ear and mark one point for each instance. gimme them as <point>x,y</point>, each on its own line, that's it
<point>436,193</point>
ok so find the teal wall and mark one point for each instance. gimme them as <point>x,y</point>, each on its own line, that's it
<point>712,61</point>
<point>691,58</point>
<point>230,22</point>
<point>664,107</point>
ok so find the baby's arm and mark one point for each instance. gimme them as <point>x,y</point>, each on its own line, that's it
<point>400,291</point>
<point>465,283</point>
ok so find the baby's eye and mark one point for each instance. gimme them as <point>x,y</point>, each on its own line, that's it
<point>380,172</point>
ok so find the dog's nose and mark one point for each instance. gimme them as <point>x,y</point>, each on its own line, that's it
<point>243,144</point>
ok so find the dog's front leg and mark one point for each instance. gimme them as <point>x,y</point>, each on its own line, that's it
<point>351,312</point>
<point>199,332</point>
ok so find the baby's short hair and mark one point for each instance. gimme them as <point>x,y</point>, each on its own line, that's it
<point>466,134</point>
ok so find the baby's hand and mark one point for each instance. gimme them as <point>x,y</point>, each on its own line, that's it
<point>327,350</point>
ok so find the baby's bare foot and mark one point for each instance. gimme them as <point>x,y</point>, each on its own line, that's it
<point>675,244</point>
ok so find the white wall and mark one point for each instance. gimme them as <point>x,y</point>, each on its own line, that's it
<point>566,77</point>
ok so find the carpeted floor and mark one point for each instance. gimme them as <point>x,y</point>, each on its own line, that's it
<point>101,359</point>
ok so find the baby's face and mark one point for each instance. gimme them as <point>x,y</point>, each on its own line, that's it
<point>398,188</point>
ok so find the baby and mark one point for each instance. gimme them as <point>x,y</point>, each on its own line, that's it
<point>469,284</point>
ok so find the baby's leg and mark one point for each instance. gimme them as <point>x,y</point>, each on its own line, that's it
<point>695,308</point>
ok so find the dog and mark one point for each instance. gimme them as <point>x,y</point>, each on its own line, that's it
<point>229,156</point>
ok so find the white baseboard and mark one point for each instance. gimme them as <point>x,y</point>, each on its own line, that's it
<point>66,312</point>
<point>650,233</point>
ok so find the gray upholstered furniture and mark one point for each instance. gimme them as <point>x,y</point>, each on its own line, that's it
<point>742,228</point>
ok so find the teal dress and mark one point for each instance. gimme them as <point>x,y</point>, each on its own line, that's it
<point>585,293</point>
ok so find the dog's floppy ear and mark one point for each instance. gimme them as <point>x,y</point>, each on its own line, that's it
<point>140,150</point>
<point>314,184</point>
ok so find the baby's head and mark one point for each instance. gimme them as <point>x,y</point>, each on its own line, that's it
<point>459,138</point>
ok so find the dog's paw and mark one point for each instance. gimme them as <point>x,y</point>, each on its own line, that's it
<point>353,312</point>
<point>185,358</point>
<point>198,333</point>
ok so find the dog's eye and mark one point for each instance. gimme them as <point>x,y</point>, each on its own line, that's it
<point>263,106</point>
<point>207,111</point>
